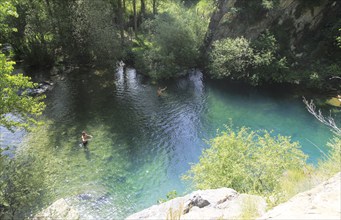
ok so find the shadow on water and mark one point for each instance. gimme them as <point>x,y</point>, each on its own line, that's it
<point>143,143</point>
<point>87,152</point>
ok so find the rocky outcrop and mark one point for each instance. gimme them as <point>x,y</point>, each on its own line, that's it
<point>302,28</point>
<point>321,202</point>
<point>223,203</point>
<point>58,210</point>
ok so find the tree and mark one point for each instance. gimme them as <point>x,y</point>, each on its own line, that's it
<point>135,15</point>
<point>6,9</point>
<point>174,39</point>
<point>17,108</point>
<point>231,56</point>
<point>143,10</point>
<point>252,61</point>
<point>154,7</point>
<point>218,13</point>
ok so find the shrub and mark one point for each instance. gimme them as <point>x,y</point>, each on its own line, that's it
<point>231,56</point>
<point>252,61</point>
<point>247,161</point>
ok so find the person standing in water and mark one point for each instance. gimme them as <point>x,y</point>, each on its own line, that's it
<point>85,138</point>
<point>160,90</point>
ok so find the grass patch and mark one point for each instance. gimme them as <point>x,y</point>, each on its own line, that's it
<point>175,214</point>
<point>296,181</point>
<point>249,209</point>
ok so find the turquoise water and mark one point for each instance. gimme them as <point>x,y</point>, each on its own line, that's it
<point>143,143</point>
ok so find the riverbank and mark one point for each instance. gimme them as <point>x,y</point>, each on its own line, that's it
<point>320,202</point>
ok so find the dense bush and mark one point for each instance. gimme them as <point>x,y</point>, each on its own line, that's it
<point>241,59</point>
<point>231,56</point>
<point>247,161</point>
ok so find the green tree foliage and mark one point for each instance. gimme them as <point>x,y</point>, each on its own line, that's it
<point>175,38</point>
<point>6,9</point>
<point>54,31</point>
<point>269,4</point>
<point>32,41</point>
<point>17,108</point>
<point>338,39</point>
<point>231,56</point>
<point>21,184</point>
<point>241,59</point>
<point>94,33</point>
<point>247,161</point>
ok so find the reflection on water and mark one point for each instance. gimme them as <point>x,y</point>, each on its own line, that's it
<point>143,143</point>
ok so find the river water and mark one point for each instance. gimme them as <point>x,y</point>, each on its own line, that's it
<point>144,143</point>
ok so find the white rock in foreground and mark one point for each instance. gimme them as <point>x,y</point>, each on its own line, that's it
<point>321,202</point>
<point>223,203</point>
<point>58,210</point>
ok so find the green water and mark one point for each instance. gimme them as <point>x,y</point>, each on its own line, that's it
<point>143,143</point>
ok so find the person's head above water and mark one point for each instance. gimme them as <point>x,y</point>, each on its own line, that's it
<point>83,133</point>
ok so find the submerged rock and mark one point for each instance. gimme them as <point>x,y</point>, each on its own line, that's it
<point>41,88</point>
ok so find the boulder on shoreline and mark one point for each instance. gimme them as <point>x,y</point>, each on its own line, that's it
<point>222,203</point>
<point>58,210</point>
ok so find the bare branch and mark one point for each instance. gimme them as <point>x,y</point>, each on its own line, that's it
<point>329,121</point>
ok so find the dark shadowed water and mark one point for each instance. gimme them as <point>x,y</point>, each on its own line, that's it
<point>143,143</point>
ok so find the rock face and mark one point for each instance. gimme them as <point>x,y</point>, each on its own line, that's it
<point>58,210</point>
<point>300,27</point>
<point>321,202</point>
<point>223,203</point>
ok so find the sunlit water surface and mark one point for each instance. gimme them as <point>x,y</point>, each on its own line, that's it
<point>143,143</point>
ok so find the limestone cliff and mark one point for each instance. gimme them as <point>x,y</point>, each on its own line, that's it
<point>305,30</point>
